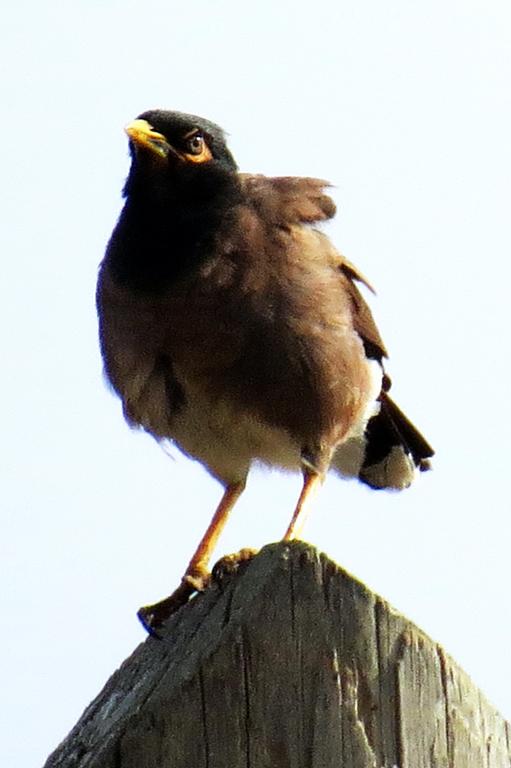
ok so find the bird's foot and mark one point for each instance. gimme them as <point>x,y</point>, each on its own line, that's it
<point>153,617</point>
<point>197,579</point>
<point>231,564</point>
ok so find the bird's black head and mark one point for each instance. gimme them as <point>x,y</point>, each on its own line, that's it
<point>173,150</point>
<point>181,190</point>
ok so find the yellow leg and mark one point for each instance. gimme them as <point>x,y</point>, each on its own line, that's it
<point>197,575</point>
<point>311,483</point>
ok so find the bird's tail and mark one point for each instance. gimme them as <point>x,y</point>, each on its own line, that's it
<point>389,453</point>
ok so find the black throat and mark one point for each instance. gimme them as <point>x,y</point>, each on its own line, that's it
<point>164,234</point>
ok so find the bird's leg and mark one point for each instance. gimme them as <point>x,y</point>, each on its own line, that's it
<point>197,574</point>
<point>312,481</point>
<point>196,577</point>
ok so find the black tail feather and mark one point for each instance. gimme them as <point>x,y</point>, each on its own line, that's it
<point>410,437</point>
<point>391,434</point>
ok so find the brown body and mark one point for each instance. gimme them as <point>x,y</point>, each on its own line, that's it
<point>245,360</point>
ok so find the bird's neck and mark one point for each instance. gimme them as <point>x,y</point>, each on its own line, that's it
<point>161,239</point>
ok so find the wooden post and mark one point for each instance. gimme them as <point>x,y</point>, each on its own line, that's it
<point>290,663</point>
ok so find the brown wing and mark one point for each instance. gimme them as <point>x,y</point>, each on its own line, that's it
<point>363,320</point>
<point>290,200</point>
<point>286,200</point>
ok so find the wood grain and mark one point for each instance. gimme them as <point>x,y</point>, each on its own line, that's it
<point>291,663</point>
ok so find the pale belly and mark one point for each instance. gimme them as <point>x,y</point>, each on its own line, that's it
<point>227,441</point>
<point>225,438</point>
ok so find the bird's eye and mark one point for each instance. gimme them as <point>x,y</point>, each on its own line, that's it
<point>195,144</point>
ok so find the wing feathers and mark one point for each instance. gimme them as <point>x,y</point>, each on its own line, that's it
<point>363,321</point>
<point>286,200</point>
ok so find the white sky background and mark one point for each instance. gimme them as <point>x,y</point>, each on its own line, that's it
<point>405,107</point>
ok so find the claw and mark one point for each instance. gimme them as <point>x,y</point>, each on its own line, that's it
<point>153,617</point>
<point>231,564</point>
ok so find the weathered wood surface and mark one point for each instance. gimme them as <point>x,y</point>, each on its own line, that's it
<point>291,663</point>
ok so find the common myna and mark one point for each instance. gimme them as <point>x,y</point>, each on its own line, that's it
<point>232,327</point>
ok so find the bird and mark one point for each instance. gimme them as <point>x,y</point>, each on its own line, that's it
<point>231,327</point>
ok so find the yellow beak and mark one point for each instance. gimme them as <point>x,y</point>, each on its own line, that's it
<point>144,136</point>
